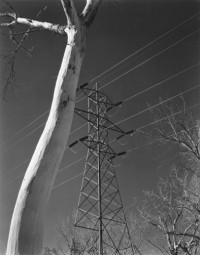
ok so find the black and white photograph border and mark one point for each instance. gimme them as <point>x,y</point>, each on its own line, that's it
<point>99,127</point>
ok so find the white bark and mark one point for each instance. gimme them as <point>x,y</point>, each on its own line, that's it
<point>26,231</point>
<point>32,23</point>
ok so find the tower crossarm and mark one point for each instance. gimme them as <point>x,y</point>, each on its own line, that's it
<point>109,124</point>
<point>91,144</point>
<point>92,91</point>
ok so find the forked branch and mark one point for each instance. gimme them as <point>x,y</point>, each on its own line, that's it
<point>70,12</point>
<point>90,11</point>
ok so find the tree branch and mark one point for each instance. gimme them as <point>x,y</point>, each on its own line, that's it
<point>32,23</point>
<point>70,12</point>
<point>90,11</point>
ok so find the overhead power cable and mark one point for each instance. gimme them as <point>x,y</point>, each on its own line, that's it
<point>23,137</point>
<point>59,171</point>
<point>125,100</point>
<point>24,128</point>
<point>75,162</point>
<point>33,131</point>
<point>137,114</point>
<point>156,105</point>
<point>70,179</point>
<point>147,60</point>
<point>109,69</point>
<point>169,116</point>
<point>144,47</point>
<point>128,118</point>
<point>161,82</point>
<point>150,143</point>
<point>136,148</point>
<point>17,166</point>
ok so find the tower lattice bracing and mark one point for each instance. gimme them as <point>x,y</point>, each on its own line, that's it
<point>100,211</point>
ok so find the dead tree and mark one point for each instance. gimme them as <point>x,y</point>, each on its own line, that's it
<point>174,213</point>
<point>26,229</point>
<point>178,127</point>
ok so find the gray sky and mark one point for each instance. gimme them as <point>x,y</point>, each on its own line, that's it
<point>118,31</point>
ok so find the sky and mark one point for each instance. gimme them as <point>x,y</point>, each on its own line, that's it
<point>119,30</point>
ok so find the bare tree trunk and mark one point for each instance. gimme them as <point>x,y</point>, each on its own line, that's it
<point>26,229</point>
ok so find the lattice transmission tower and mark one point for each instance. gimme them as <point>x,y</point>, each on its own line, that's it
<point>100,211</point>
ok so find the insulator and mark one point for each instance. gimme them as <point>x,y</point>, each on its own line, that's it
<point>130,132</point>
<point>77,111</point>
<point>112,157</point>
<point>109,108</point>
<point>119,103</point>
<point>84,85</point>
<point>115,166</point>
<point>121,153</point>
<point>121,143</point>
<point>83,138</point>
<point>119,137</point>
<point>72,144</point>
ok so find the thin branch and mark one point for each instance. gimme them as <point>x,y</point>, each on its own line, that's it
<point>32,23</point>
<point>41,11</point>
<point>9,6</point>
<point>27,31</point>
<point>156,246</point>
<point>70,12</point>
<point>11,77</point>
<point>90,11</point>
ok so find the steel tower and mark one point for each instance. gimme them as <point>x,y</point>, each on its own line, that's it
<point>100,211</point>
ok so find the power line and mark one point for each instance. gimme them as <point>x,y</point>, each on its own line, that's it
<point>125,100</point>
<point>154,106</point>
<point>171,115</point>
<point>25,127</point>
<point>33,131</point>
<point>70,179</point>
<point>80,159</point>
<point>25,161</point>
<point>175,75</point>
<point>161,82</point>
<point>137,148</point>
<point>23,137</point>
<point>59,171</point>
<point>75,162</point>
<point>145,145</point>
<point>134,115</point>
<point>147,60</point>
<point>144,47</point>
<point>164,118</point>
<point>109,69</point>
<point>17,166</point>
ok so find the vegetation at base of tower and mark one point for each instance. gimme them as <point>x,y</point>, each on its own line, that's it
<point>172,211</point>
<point>74,240</point>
